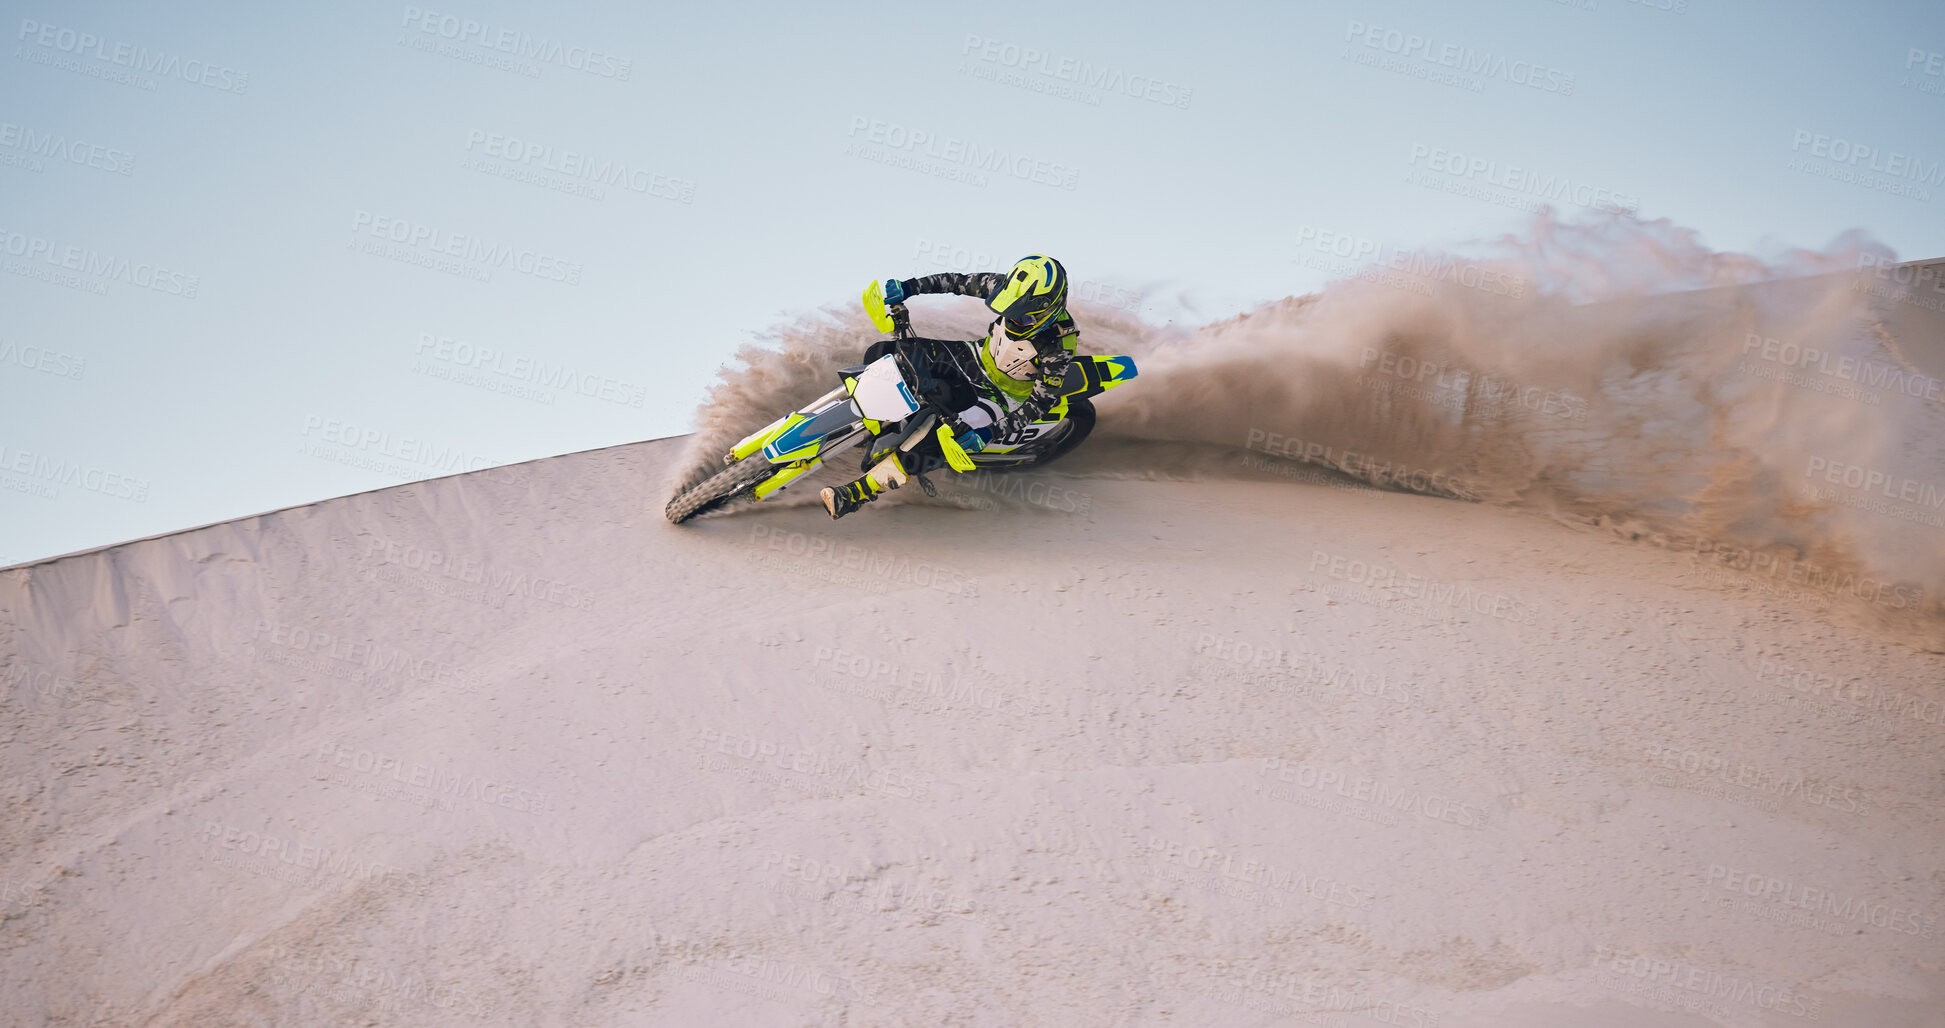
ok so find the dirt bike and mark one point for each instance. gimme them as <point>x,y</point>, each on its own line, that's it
<point>891,403</point>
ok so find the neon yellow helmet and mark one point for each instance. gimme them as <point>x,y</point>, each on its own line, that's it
<point>1034,291</point>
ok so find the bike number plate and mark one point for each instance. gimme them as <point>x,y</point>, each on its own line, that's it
<point>882,393</point>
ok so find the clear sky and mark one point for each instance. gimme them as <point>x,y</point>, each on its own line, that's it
<point>252,256</point>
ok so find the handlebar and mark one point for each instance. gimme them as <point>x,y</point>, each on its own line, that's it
<point>891,318</point>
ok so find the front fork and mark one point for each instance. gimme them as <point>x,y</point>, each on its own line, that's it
<point>755,440</point>
<point>797,469</point>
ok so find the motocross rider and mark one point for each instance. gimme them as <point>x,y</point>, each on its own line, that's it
<point>1024,358</point>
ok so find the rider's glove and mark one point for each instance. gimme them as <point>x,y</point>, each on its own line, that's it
<point>971,440</point>
<point>1011,428</point>
<point>894,291</point>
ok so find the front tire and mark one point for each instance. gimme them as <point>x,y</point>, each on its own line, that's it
<point>718,489</point>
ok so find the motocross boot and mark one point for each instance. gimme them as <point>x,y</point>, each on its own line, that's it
<point>842,500</point>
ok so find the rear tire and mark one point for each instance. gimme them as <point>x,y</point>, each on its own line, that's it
<point>1081,414</point>
<point>718,489</point>
<point>1079,423</point>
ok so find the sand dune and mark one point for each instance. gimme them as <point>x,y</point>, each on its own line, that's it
<point>506,748</point>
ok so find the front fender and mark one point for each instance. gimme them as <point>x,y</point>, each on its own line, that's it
<point>799,434</point>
